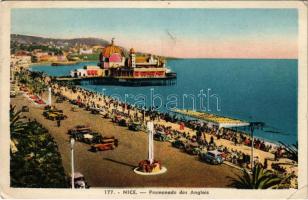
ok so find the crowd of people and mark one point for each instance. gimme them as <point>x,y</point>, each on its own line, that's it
<point>114,107</point>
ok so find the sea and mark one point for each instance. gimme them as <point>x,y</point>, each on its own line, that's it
<point>254,90</point>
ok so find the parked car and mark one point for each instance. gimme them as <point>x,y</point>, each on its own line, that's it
<point>48,109</point>
<point>135,126</point>
<point>39,101</point>
<point>56,116</point>
<point>102,147</point>
<point>83,129</point>
<point>122,122</point>
<point>91,138</point>
<point>212,157</point>
<point>95,111</point>
<point>180,144</point>
<point>107,143</point>
<point>192,148</point>
<point>160,136</point>
<point>79,181</point>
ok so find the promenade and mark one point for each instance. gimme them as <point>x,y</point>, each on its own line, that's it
<point>115,168</point>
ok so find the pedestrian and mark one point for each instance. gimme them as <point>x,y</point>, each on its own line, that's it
<point>211,140</point>
<point>58,122</point>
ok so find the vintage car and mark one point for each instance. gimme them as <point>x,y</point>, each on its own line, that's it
<point>48,109</point>
<point>78,103</point>
<point>212,157</point>
<point>94,111</point>
<point>135,126</point>
<point>90,138</point>
<point>79,181</point>
<point>122,122</point>
<point>39,101</point>
<point>56,116</point>
<point>180,144</point>
<point>82,129</point>
<point>160,136</point>
<point>192,148</point>
<point>102,147</point>
<point>107,143</point>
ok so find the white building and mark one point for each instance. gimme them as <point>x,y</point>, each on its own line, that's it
<point>85,51</point>
<point>79,73</point>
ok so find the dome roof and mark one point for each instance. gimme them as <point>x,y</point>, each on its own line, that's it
<point>111,49</point>
<point>132,50</point>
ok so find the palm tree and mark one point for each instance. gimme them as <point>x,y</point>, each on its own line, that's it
<point>37,87</point>
<point>258,179</point>
<point>17,125</point>
<point>291,150</point>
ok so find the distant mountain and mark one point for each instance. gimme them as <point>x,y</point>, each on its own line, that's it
<point>35,40</point>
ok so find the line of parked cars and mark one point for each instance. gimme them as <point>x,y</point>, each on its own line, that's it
<point>207,154</point>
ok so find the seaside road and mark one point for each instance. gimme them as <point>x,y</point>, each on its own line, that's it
<point>115,168</point>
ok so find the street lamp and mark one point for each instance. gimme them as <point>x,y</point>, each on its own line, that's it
<point>72,162</point>
<point>253,126</point>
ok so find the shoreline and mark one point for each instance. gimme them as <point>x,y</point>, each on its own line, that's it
<point>49,63</point>
<point>266,140</point>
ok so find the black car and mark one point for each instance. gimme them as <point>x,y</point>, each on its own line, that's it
<point>135,127</point>
<point>178,144</point>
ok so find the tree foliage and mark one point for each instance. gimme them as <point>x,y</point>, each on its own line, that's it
<point>37,162</point>
<point>259,179</point>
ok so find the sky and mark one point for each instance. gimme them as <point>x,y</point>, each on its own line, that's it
<point>185,33</point>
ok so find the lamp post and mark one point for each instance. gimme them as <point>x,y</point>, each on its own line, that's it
<point>72,162</point>
<point>49,96</point>
<point>150,126</point>
<point>253,126</point>
<point>252,145</point>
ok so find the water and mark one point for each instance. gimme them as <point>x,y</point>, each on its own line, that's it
<point>247,89</point>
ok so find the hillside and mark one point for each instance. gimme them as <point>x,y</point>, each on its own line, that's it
<point>27,40</point>
<point>35,40</point>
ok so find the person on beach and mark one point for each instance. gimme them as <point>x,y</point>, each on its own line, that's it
<point>212,140</point>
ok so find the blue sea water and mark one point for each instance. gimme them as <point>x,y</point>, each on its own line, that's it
<point>249,89</point>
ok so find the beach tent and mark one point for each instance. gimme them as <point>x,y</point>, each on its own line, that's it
<point>220,121</point>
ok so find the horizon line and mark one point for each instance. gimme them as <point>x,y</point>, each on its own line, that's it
<point>170,57</point>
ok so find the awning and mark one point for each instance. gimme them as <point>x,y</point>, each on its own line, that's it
<point>220,121</point>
